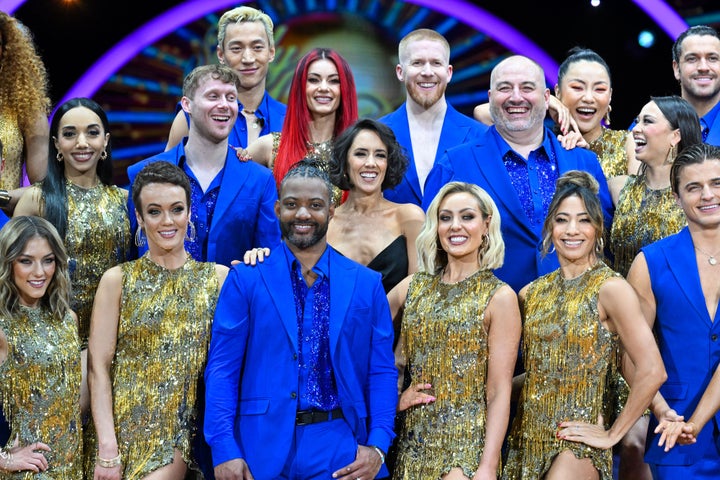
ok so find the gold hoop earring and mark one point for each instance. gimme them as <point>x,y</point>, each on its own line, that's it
<point>599,245</point>
<point>104,155</point>
<point>190,233</point>
<point>672,154</point>
<point>606,118</point>
<point>59,157</point>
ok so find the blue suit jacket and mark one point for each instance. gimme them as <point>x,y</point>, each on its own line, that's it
<point>682,325</point>
<point>244,215</point>
<point>456,130</point>
<point>252,372</point>
<point>270,111</point>
<point>713,137</point>
<point>481,163</point>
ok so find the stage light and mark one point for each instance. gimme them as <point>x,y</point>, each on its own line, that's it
<point>646,39</point>
<point>595,3</point>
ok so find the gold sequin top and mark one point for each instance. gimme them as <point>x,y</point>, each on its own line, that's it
<point>322,151</point>
<point>446,345</point>
<point>162,344</point>
<point>97,238</point>
<point>642,217</point>
<point>611,153</point>
<point>40,389</point>
<point>13,149</point>
<point>568,355</point>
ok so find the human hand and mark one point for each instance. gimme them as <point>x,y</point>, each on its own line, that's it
<point>485,472</point>
<point>107,473</point>
<point>571,140</point>
<point>242,154</point>
<point>365,467</point>
<point>25,458</point>
<point>590,434</point>
<point>560,115</point>
<point>676,432</point>
<point>255,255</point>
<point>414,395</point>
<point>235,469</point>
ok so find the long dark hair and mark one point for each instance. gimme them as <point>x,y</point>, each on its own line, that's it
<point>54,193</point>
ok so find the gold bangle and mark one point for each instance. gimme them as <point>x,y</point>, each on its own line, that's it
<point>109,463</point>
<point>5,198</point>
<point>7,456</point>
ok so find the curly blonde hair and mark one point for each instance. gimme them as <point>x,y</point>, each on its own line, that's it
<point>23,78</point>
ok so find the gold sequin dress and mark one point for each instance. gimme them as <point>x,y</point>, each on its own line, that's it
<point>13,148</point>
<point>642,217</point>
<point>322,151</point>
<point>568,355</point>
<point>446,345</point>
<point>97,238</point>
<point>40,389</point>
<point>611,153</point>
<point>162,344</point>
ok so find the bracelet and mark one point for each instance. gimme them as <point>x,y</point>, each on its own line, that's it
<point>379,452</point>
<point>109,463</point>
<point>7,456</point>
<point>5,198</point>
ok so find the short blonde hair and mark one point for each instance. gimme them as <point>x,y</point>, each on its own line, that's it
<point>491,254</point>
<point>245,14</point>
<point>418,35</point>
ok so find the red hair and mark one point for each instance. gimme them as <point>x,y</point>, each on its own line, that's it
<point>296,130</point>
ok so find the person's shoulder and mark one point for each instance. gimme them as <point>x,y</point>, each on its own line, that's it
<point>275,105</point>
<point>393,116</point>
<point>166,156</point>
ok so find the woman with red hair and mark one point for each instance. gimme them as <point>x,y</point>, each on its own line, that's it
<point>322,103</point>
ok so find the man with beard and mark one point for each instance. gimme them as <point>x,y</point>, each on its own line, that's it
<point>247,45</point>
<point>696,64</point>
<point>301,381</point>
<point>517,161</point>
<point>425,125</point>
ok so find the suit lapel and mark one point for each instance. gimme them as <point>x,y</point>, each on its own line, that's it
<point>276,275</point>
<point>234,179</point>
<point>401,128</point>
<point>343,275</point>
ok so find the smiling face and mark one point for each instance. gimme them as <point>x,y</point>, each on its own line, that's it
<point>698,68</point>
<point>699,194</point>
<point>248,52</point>
<point>585,91</point>
<point>426,71</point>
<point>322,89</point>
<point>304,210</point>
<point>573,232</point>
<point>213,109</point>
<point>653,135</point>
<point>461,226</point>
<point>80,139</point>
<point>33,271</point>
<point>165,216</point>
<point>367,162</point>
<point>518,96</point>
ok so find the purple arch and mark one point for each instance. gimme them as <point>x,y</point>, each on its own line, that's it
<point>9,6</point>
<point>503,33</point>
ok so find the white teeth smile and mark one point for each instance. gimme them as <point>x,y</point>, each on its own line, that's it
<point>169,234</point>
<point>457,239</point>
<point>708,207</point>
<point>219,118</point>
<point>323,99</point>
<point>36,283</point>
<point>516,110</point>
<point>586,111</point>
<point>572,243</point>
<point>370,175</point>
<point>639,141</point>
<point>82,156</point>
<point>426,85</point>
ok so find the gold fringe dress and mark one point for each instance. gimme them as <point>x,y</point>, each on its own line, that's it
<point>163,338</point>
<point>97,238</point>
<point>611,153</point>
<point>446,345</point>
<point>13,149</point>
<point>40,390</point>
<point>642,216</point>
<point>568,354</point>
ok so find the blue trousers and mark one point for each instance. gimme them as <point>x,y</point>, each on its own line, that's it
<point>319,449</point>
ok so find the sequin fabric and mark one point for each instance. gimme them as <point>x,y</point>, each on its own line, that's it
<point>322,151</point>
<point>163,337</point>
<point>13,146</point>
<point>568,355</point>
<point>40,389</point>
<point>97,238</point>
<point>446,345</point>
<point>611,153</point>
<point>534,180</point>
<point>642,217</point>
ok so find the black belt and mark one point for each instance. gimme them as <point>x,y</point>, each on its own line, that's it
<point>307,417</point>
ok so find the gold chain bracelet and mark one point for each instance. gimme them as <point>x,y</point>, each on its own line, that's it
<point>109,463</point>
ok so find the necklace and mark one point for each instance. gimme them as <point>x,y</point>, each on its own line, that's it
<point>711,258</point>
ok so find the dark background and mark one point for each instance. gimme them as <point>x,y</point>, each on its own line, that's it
<point>72,35</point>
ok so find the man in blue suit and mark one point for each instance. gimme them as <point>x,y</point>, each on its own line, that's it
<point>232,206</point>
<point>425,125</point>
<point>301,381</point>
<point>517,161</point>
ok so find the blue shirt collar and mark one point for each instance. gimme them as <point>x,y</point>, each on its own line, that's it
<point>321,268</point>
<point>504,147</point>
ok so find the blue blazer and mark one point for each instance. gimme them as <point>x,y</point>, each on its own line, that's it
<point>713,137</point>
<point>481,163</point>
<point>689,342</point>
<point>270,112</point>
<point>252,371</point>
<point>456,130</point>
<point>244,215</point>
